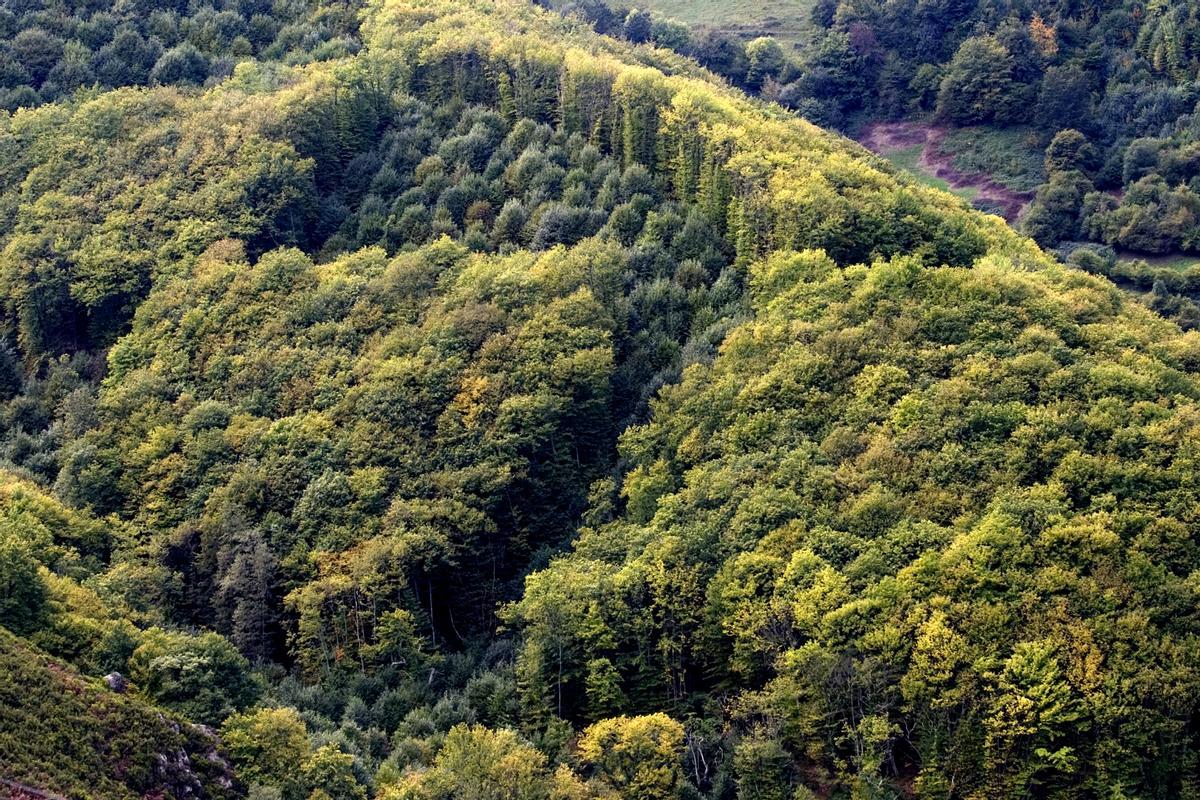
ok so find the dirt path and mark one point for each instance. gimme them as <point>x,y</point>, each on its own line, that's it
<point>889,137</point>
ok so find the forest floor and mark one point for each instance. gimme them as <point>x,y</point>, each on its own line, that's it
<point>918,147</point>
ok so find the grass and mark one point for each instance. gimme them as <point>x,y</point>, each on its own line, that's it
<point>909,159</point>
<point>1175,261</point>
<point>789,21</point>
<point>1012,157</point>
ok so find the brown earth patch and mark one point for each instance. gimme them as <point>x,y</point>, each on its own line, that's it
<point>889,137</point>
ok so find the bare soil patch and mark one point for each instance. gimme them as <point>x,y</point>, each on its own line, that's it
<point>889,137</point>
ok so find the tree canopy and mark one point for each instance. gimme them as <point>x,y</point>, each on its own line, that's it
<point>498,409</point>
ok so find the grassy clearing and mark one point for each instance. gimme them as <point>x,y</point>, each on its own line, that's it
<point>1012,157</point>
<point>1175,261</point>
<point>909,159</point>
<point>786,20</point>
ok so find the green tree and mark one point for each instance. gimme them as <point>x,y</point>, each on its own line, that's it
<point>22,590</point>
<point>329,773</point>
<point>638,26</point>
<point>1064,100</point>
<point>766,60</point>
<point>202,677</point>
<point>603,686</point>
<point>37,51</point>
<point>267,747</point>
<point>671,34</point>
<point>762,767</point>
<point>1033,708</point>
<point>245,593</point>
<point>1070,151</point>
<point>1056,212</point>
<point>476,763</point>
<point>978,85</point>
<point>635,756</point>
<point>182,64</point>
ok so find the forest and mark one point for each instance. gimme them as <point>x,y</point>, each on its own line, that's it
<point>431,399</point>
<point>1108,90</point>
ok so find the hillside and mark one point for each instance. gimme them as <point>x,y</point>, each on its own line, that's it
<point>215,433</point>
<point>894,517</point>
<point>75,737</point>
<point>789,22</point>
<point>1076,121</point>
<point>497,409</point>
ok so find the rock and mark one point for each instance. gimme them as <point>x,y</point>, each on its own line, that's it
<point>117,682</point>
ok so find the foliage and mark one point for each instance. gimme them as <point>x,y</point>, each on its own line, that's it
<point>483,764</point>
<point>1120,74</point>
<point>635,756</point>
<point>869,510</point>
<point>792,477</point>
<point>266,746</point>
<point>201,677</point>
<point>50,51</point>
<point>978,85</point>
<point>328,773</point>
<point>62,732</point>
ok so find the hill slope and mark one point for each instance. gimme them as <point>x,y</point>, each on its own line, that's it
<point>929,521</point>
<point>75,737</point>
<point>216,431</point>
<point>867,493</point>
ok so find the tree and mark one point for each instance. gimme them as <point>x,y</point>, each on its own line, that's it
<point>603,689</point>
<point>1064,100</point>
<point>762,767</point>
<point>723,54</point>
<point>1141,160</point>
<point>127,59</point>
<point>1044,36</point>
<point>510,222</point>
<point>476,763</point>
<point>978,85</point>
<point>671,34</point>
<point>183,64</point>
<point>11,378</point>
<point>1070,151</point>
<point>635,756</point>
<point>895,88</point>
<point>1055,213</point>
<point>561,224</point>
<point>836,72</point>
<point>22,590</point>
<point>1151,217</point>
<point>267,746</point>
<point>202,677</point>
<point>924,87</point>
<point>329,773</point>
<point>74,69</point>
<point>245,595</point>
<point>1033,709</point>
<point>638,26</point>
<point>37,51</point>
<point>766,60</point>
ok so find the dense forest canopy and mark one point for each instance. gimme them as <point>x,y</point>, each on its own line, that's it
<point>1108,90</point>
<point>50,50</point>
<point>445,400</point>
